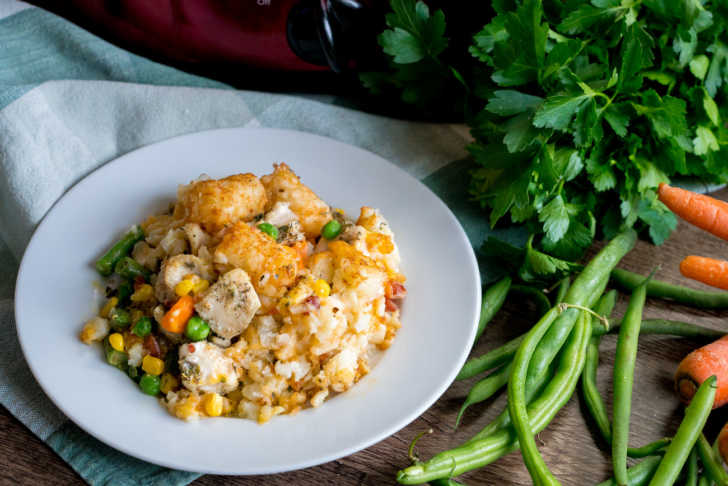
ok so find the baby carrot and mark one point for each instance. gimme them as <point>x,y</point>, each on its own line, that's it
<point>698,366</point>
<point>177,316</point>
<point>707,270</point>
<point>723,443</point>
<point>702,211</point>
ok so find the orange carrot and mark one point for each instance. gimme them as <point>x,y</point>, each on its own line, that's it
<point>702,211</point>
<point>701,364</point>
<point>707,270</point>
<point>723,443</point>
<point>177,316</point>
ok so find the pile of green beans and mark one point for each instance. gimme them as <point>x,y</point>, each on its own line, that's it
<point>542,368</point>
<point>536,407</point>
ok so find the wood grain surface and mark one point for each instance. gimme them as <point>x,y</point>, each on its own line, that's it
<point>569,444</point>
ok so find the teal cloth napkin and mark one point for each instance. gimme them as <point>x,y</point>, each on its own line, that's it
<point>69,102</point>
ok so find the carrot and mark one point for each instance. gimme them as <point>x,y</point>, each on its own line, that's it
<point>177,316</point>
<point>723,443</point>
<point>701,364</point>
<point>707,270</point>
<point>702,211</point>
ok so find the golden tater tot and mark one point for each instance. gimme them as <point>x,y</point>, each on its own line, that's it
<point>217,203</point>
<point>271,266</point>
<point>283,185</point>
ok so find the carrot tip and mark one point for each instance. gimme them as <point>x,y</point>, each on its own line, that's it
<point>686,388</point>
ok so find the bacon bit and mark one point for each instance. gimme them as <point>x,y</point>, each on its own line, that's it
<point>151,346</point>
<point>389,305</point>
<point>395,290</point>
<point>138,282</point>
<point>313,300</point>
<point>191,348</point>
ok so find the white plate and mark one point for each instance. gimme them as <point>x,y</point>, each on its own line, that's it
<point>55,292</point>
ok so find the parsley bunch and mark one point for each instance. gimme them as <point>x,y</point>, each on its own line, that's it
<point>578,110</point>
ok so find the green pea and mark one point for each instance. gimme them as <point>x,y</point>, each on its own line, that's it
<point>149,384</point>
<point>331,229</point>
<point>143,327</point>
<point>119,318</point>
<point>197,329</point>
<point>269,229</point>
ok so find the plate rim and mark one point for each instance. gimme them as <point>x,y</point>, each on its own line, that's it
<point>301,464</point>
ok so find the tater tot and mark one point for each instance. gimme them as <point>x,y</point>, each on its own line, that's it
<point>271,266</point>
<point>283,185</point>
<point>217,203</point>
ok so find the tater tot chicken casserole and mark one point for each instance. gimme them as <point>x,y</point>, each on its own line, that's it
<point>250,298</point>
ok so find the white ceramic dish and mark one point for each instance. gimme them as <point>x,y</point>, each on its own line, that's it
<point>55,295</point>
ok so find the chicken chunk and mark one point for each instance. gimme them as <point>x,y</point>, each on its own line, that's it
<point>204,368</point>
<point>271,267</point>
<point>285,186</point>
<point>230,304</point>
<point>217,203</point>
<point>174,269</point>
<point>289,228</point>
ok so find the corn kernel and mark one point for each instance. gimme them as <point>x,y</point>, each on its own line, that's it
<point>185,286</point>
<point>144,293</point>
<point>212,403</point>
<point>168,383</point>
<point>117,341</point>
<point>153,366</point>
<point>200,285</point>
<point>321,288</point>
<point>110,304</point>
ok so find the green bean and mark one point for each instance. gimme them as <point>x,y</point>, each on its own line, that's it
<point>105,264</point>
<point>593,400</point>
<point>624,363</point>
<point>588,286</point>
<point>639,474</point>
<point>666,327</point>
<point>712,467</point>
<point>490,360</point>
<point>691,475</point>
<point>493,299</point>
<point>486,388</point>
<point>517,404</point>
<point>563,288</point>
<point>537,295</point>
<point>541,411</point>
<point>129,268</point>
<point>696,414</point>
<point>124,291</point>
<point>649,449</point>
<point>663,290</point>
<point>445,482</point>
<point>115,358</point>
<point>704,481</point>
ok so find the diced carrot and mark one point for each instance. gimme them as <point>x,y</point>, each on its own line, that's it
<point>700,365</point>
<point>177,316</point>
<point>702,211</point>
<point>707,270</point>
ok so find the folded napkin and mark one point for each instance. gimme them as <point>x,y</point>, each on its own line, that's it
<point>69,102</point>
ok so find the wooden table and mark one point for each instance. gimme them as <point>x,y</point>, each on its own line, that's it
<point>569,444</point>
